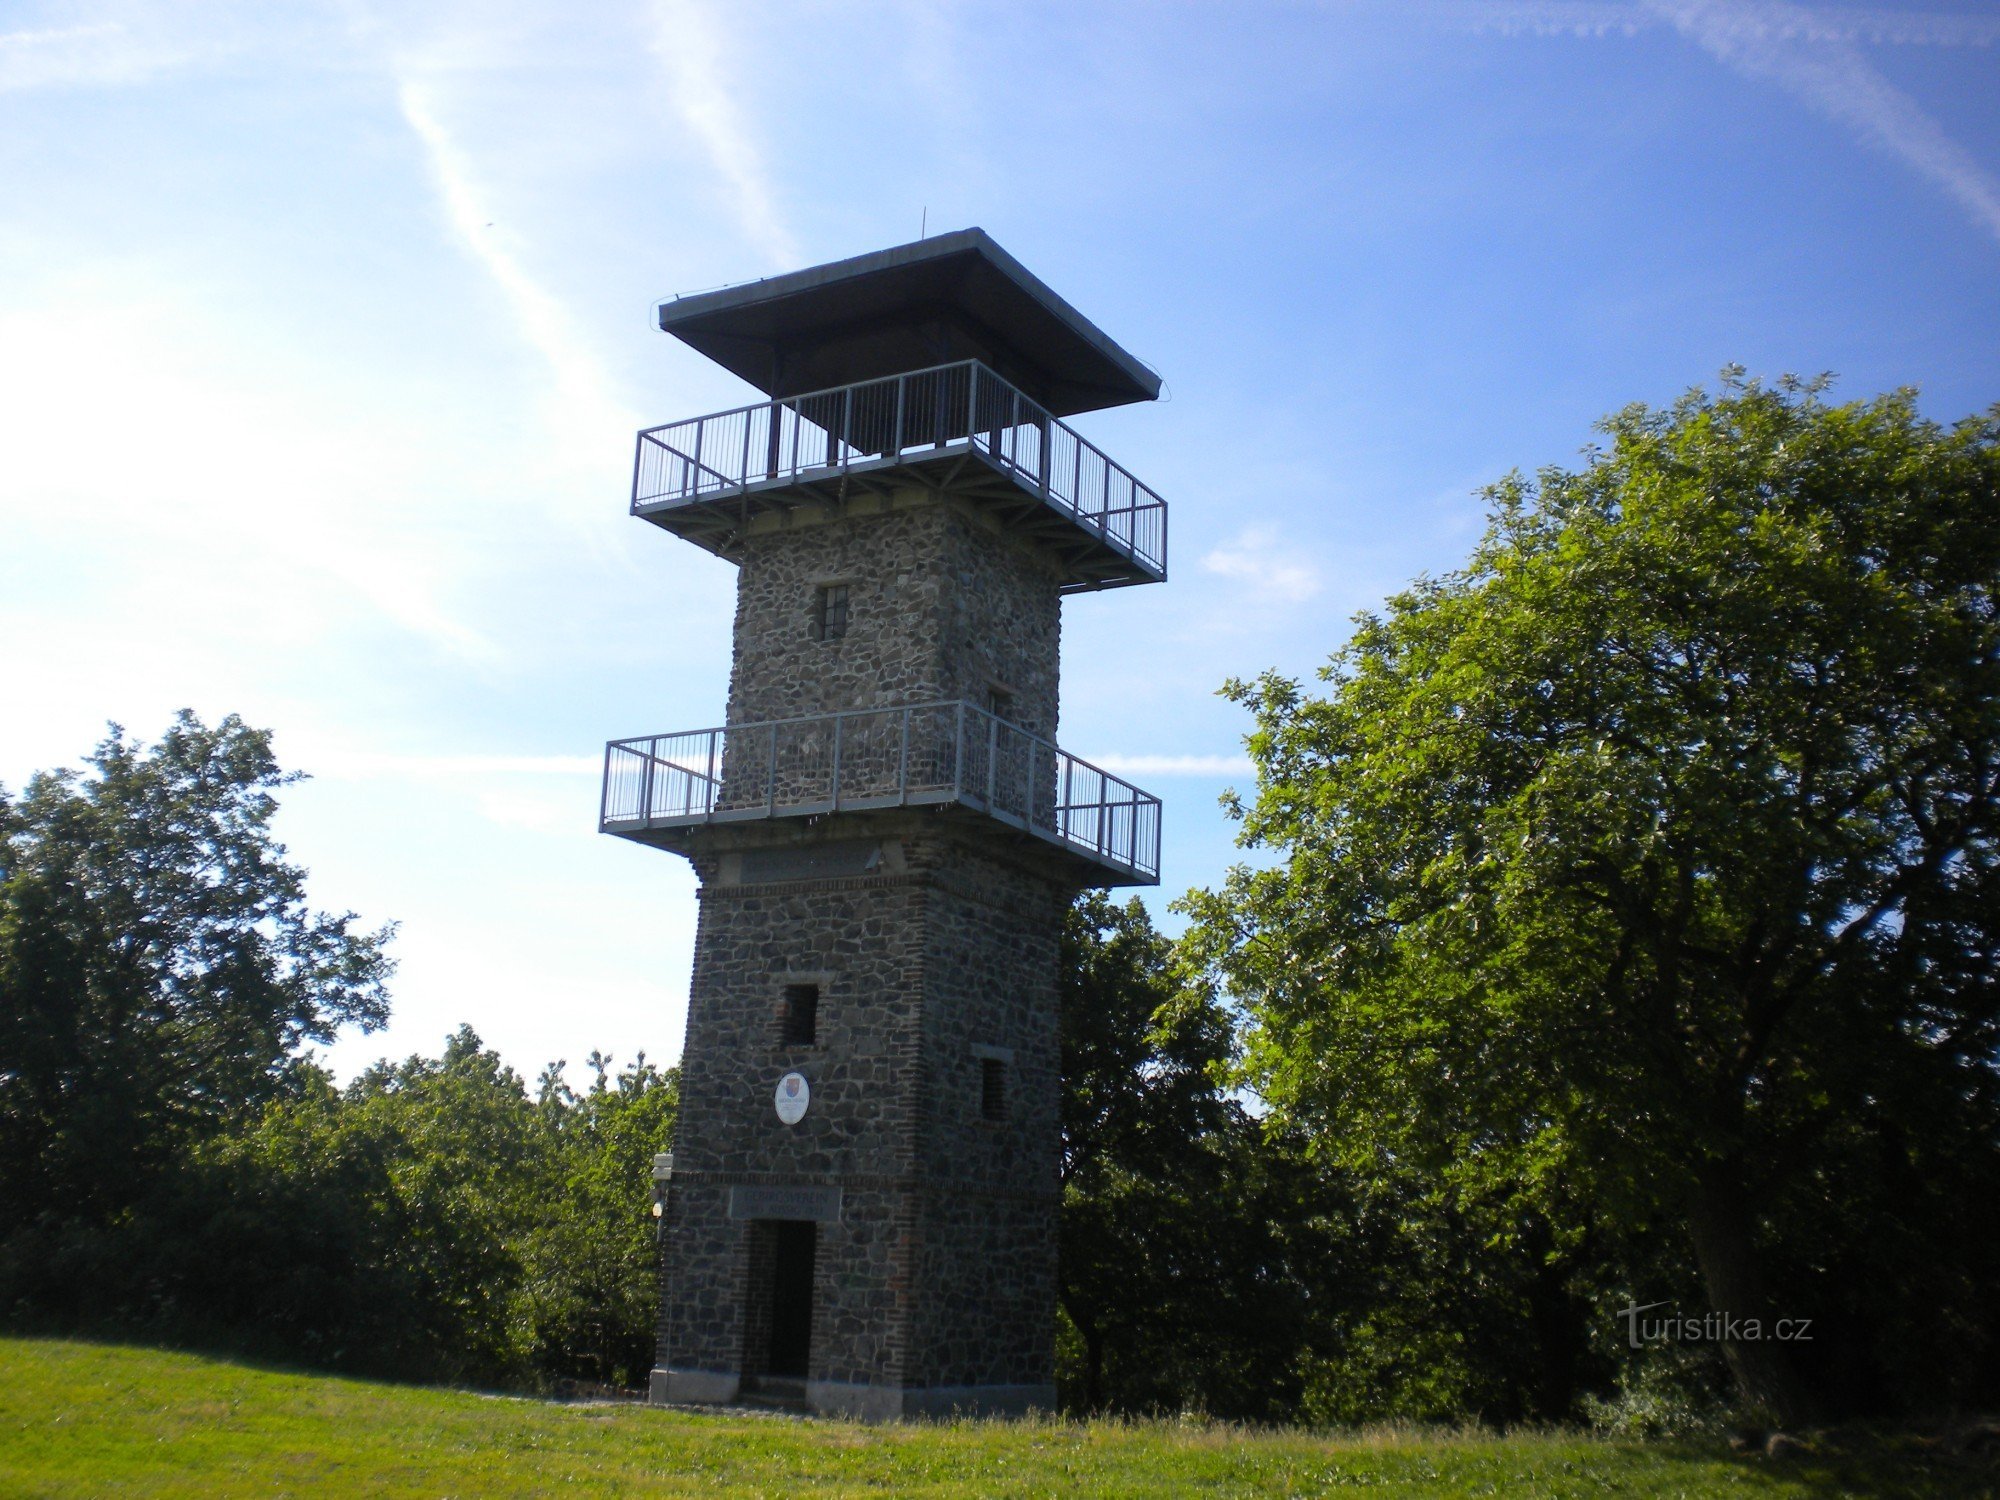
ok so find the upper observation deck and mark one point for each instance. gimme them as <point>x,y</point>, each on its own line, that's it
<point>943,365</point>
<point>957,428</point>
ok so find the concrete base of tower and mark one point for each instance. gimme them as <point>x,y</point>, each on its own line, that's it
<point>887,1403</point>
<point>670,1386</point>
<point>864,1403</point>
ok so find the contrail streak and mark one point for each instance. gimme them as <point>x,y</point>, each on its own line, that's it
<point>1759,40</point>
<point>686,45</point>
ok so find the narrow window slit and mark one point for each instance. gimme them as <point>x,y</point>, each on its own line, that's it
<point>830,612</point>
<point>801,1017</point>
<point>992,1089</point>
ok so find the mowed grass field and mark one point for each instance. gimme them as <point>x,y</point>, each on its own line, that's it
<point>91,1419</point>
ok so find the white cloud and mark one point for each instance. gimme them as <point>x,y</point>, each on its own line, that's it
<point>1814,53</point>
<point>1597,18</point>
<point>1177,765</point>
<point>229,490</point>
<point>1259,557</point>
<point>584,407</point>
<point>364,765</point>
<point>98,54</point>
<point>541,813</point>
<point>1775,40</point>
<point>705,92</point>
<point>547,978</point>
<point>1855,24</point>
<point>1531,17</point>
<point>553,795</point>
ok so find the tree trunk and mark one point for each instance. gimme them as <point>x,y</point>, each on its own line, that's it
<point>1093,1364</point>
<point>1766,1374</point>
<point>1093,1357</point>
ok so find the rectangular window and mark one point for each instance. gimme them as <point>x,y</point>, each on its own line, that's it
<point>992,1089</point>
<point>830,612</point>
<point>1000,703</point>
<point>801,1018</point>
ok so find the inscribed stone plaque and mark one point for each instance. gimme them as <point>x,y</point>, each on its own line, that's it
<point>811,862</point>
<point>820,1204</point>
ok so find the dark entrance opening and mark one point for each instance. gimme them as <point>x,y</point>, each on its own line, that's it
<point>779,1325</point>
<point>792,1297</point>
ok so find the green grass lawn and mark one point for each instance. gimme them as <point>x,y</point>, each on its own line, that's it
<point>90,1419</point>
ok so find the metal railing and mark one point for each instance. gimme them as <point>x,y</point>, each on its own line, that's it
<point>961,407</point>
<point>924,754</point>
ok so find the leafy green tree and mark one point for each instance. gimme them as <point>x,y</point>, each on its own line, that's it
<point>1435,1312</point>
<point>1647,865</point>
<point>1211,1261</point>
<point>378,1229</point>
<point>1141,1053</point>
<point>1196,1253</point>
<point>428,1221</point>
<point>175,1166</point>
<point>159,965</point>
<point>593,1264</point>
<point>1139,1105</point>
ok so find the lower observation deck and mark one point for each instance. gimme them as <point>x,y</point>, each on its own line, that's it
<point>925,755</point>
<point>956,427</point>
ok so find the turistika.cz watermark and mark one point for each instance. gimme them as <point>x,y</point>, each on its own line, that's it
<point>1709,1328</point>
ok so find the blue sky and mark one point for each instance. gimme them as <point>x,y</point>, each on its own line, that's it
<point>324,330</point>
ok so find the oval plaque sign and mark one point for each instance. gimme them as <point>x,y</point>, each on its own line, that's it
<point>794,1094</point>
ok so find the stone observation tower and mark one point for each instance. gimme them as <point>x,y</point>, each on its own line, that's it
<point>860,1207</point>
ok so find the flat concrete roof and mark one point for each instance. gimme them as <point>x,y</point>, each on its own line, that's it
<point>942,299</point>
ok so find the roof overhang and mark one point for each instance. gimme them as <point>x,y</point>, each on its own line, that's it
<point>950,297</point>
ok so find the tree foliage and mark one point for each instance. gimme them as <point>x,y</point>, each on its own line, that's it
<point>173,1163</point>
<point>1143,1121</point>
<point>1211,1261</point>
<point>594,1285</point>
<point>159,965</point>
<point>1643,872</point>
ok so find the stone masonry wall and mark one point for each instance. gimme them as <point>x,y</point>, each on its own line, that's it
<point>940,607</point>
<point>988,1257</point>
<point>940,1270</point>
<point>932,936</point>
<point>860,940</point>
